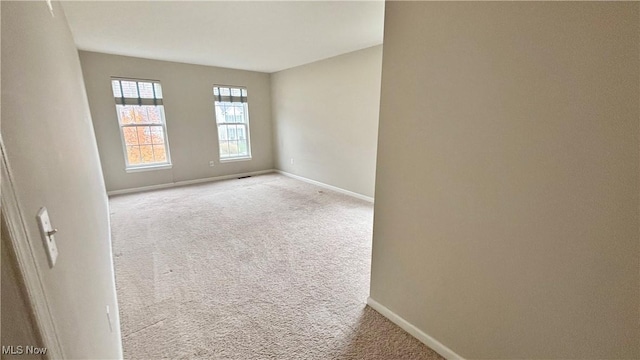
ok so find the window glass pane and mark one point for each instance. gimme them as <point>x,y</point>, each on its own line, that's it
<point>158,90</point>
<point>232,118</point>
<point>146,151</point>
<point>223,112</point>
<point>159,153</point>
<point>115,86</point>
<point>130,135</point>
<point>125,114</point>
<point>142,126</point>
<point>135,89</point>
<point>154,114</point>
<point>146,90</point>
<point>242,148</point>
<point>229,91</point>
<point>218,113</point>
<point>224,149</point>
<point>240,113</point>
<point>144,135</point>
<point>233,148</point>
<point>231,134</point>
<point>228,112</point>
<point>140,115</point>
<point>222,132</point>
<point>157,136</point>
<point>135,114</point>
<point>129,89</point>
<point>133,155</point>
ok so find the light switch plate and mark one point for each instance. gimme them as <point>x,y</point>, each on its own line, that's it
<point>50,7</point>
<point>109,319</point>
<point>46,232</point>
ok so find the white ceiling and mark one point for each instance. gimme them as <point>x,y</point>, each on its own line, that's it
<point>260,36</point>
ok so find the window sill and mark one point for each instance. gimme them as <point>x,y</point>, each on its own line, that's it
<point>148,168</point>
<point>245,158</point>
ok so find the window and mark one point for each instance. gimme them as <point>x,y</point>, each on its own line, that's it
<point>142,123</point>
<point>232,116</point>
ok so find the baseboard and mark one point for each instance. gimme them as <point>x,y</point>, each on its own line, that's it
<point>414,331</point>
<point>232,176</point>
<point>186,182</point>
<point>327,186</point>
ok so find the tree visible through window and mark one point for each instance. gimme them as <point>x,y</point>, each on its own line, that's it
<point>232,117</point>
<point>142,122</point>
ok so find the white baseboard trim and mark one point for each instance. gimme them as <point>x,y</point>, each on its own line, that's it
<point>186,182</point>
<point>327,186</point>
<point>414,331</point>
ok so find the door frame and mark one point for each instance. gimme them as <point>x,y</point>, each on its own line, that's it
<point>26,260</point>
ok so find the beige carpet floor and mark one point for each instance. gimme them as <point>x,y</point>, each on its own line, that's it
<point>265,267</point>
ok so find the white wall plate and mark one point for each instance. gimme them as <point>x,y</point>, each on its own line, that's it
<point>47,233</point>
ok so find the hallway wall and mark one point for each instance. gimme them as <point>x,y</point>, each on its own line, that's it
<point>507,190</point>
<point>51,148</point>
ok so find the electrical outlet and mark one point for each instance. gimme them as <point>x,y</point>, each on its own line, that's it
<point>212,163</point>
<point>291,161</point>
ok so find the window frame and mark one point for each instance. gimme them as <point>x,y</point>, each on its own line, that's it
<point>132,168</point>
<point>217,99</point>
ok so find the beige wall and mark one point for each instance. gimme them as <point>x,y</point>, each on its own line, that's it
<point>191,127</point>
<point>325,117</point>
<point>506,214</point>
<point>47,132</point>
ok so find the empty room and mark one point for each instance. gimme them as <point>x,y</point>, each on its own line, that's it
<point>320,180</point>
